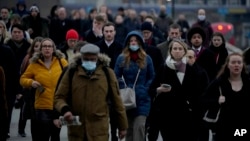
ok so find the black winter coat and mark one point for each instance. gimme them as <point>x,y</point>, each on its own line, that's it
<point>7,61</point>
<point>234,112</point>
<point>177,110</point>
<point>113,51</point>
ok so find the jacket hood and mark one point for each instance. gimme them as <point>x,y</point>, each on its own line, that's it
<point>102,59</point>
<point>137,34</point>
<point>21,2</point>
<point>37,56</point>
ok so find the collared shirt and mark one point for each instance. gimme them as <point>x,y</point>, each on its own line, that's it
<point>109,43</point>
<point>100,36</point>
<point>196,49</point>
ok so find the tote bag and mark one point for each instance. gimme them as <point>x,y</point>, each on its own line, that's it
<point>128,95</point>
<point>210,119</point>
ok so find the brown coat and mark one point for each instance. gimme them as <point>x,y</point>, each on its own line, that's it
<point>89,101</point>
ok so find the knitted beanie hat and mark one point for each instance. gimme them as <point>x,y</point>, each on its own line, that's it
<point>146,26</point>
<point>72,34</point>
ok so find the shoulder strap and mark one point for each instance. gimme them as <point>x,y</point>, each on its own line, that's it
<point>105,69</point>
<point>60,78</point>
<point>220,91</point>
<point>136,78</point>
<point>60,62</point>
<point>71,75</point>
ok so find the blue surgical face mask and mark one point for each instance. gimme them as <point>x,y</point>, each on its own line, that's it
<point>201,17</point>
<point>89,65</point>
<point>134,47</point>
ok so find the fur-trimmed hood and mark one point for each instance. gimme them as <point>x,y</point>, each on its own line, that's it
<point>102,59</point>
<point>38,55</point>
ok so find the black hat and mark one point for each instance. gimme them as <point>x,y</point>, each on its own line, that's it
<point>146,26</point>
<point>120,9</point>
<point>195,30</point>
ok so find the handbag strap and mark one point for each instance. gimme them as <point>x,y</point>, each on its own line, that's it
<point>125,85</point>
<point>136,78</point>
<point>139,70</point>
<point>220,91</point>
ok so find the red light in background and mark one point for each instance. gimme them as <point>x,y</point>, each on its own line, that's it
<point>220,27</point>
<point>229,27</point>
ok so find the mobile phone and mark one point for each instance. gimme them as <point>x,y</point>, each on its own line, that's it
<point>166,85</point>
<point>40,89</point>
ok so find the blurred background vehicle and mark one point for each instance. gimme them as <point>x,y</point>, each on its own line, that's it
<point>227,29</point>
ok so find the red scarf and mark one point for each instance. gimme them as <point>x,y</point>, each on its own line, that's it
<point>134,56</point>
<point>149,41</point>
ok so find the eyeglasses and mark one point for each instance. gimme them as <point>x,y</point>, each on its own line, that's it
<point>47,46</point>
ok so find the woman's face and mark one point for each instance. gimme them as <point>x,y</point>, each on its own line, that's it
<point>177,51</point>
<point>47,48</point>
<point>217,41</point>
<point>37,46</point>
<point>235,64</point>
<point>133,41</point>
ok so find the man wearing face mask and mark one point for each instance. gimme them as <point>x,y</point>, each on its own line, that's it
<point>205,25</point>
<point>89,96</point>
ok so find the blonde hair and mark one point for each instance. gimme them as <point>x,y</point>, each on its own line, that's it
<point>5,33</point>
<point>183,44</point>
<point>48,39</point>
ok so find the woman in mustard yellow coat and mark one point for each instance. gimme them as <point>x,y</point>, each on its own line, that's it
<point>43,73</point>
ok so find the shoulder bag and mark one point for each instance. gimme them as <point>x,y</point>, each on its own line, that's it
<point>128,95</point>
<point>209,119</point>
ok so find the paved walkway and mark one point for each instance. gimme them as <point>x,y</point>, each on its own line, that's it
<point>14,130</point>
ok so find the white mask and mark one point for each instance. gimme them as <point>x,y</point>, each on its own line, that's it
<point>134,47</point>
<point>89,65</point>
<point>201,17</point>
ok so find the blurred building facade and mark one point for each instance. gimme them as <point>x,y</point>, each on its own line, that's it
<point>236,12</point>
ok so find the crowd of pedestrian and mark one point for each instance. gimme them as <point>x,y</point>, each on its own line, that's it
<point>74,65</point>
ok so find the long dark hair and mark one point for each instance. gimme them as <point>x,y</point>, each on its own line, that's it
<point>220,35</point>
